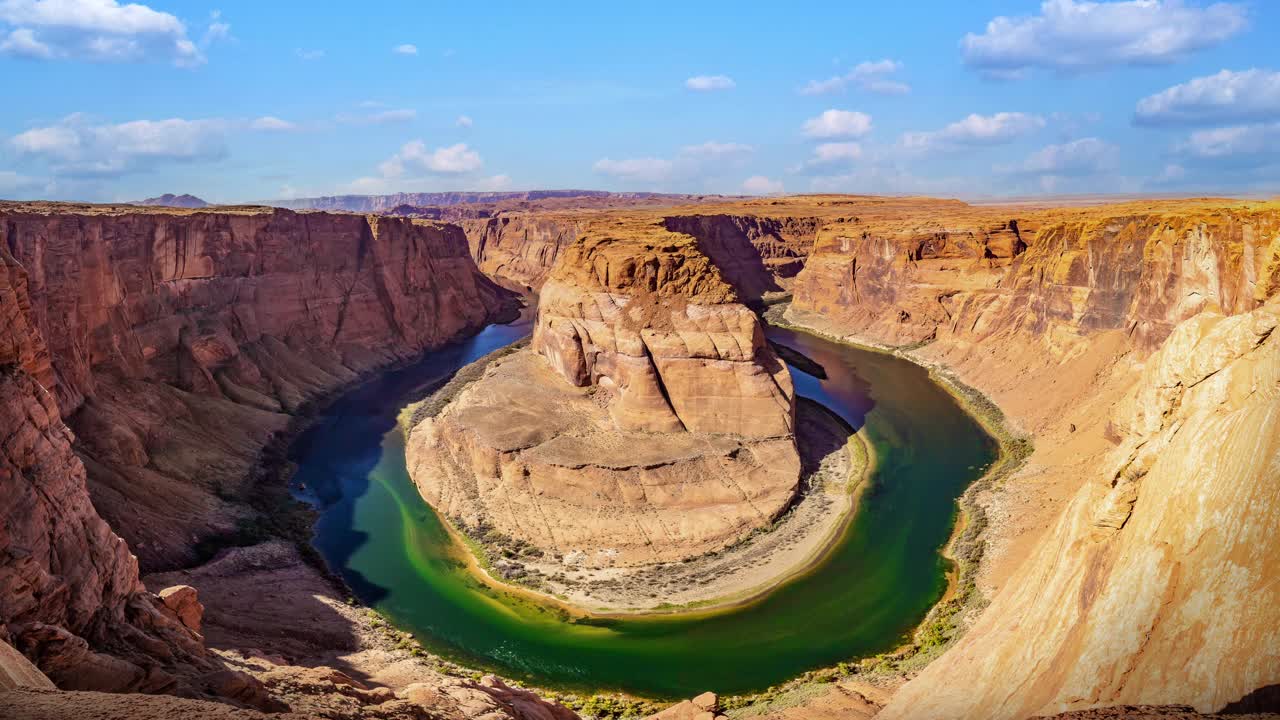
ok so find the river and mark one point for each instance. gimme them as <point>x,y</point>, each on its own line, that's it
<point>874,587</point>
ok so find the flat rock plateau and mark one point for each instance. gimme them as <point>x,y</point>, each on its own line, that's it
<point>151,358</point>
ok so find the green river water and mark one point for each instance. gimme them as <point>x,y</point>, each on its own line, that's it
<point>875,586</point>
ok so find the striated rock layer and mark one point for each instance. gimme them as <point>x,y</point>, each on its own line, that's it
<point>1151,330</point>
<point>519,248</point>
<point>177,343</point>
<point>649,422</point>
<point>174,345</point>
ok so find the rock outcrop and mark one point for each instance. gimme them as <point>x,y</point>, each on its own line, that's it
<point>16,671</point>
<point>656,325</point>
<point>519,248</point>
<point>757,254</point>
<point>649,422</point>
<point>1153,329</point>
<point>1167,594</point>
<point>174,345</point>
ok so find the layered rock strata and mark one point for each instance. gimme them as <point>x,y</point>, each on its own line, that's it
<point>520,249</point>
<point>650,421</point>
<point>758,255</point>
<point>1137,344</point>
<point>176,344</point>
<point>160,351</point>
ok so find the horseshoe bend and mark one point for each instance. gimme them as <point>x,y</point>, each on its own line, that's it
<point>259,460</point>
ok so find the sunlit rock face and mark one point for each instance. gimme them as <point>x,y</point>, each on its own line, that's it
<point>649,421</point>
<point>1153,584</point>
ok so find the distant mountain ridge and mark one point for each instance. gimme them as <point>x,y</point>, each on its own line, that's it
<point>380,203</point>
<point>171,200</point>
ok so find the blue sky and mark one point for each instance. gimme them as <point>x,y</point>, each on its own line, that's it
<point>239,101</point>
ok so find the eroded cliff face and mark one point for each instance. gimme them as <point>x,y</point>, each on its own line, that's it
<point>757,254</point>
<point>1137,345</point>
<point>900,284</point>
<point>70,597</point>
<point>177,344</point>
<point>649,422</point>
<point>1155,585</point>
<point>174,345</point>
<point>657,326</point>
<point>520,249</point>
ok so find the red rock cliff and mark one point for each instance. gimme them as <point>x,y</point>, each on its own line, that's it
<point>174,345</point>
<point>177,342</point>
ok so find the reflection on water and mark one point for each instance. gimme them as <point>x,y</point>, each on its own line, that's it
<point>877,584</point>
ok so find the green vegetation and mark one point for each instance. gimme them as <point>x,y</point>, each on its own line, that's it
<point>432,404</point>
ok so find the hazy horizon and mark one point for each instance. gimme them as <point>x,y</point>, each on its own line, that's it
<point>245,102</point>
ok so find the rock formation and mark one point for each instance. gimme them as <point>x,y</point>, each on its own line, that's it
<point>650,421</point>
<point>178,342</point>
<point>1152,329</point>
<point>519,248</point>
<point>171,200</point>
<point>146,357</point>
<point>174,343</point>
<point>757,254</point>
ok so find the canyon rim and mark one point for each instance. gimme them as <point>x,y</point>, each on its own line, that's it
<point>898,361</point>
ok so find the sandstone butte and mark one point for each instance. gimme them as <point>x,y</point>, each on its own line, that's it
<point>1130,561</point>
<point>680,440</point>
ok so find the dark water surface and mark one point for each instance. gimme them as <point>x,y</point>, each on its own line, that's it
<point>865,598</point>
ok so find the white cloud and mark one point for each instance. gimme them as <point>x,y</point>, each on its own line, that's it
<point>309,54</point>
<point>77,147</point>
<point>405,49</point>
<point>838,123</point>
<point>218,30</point>
<point>1250,143</point>
<point>829,157</point>
<point>415,157</point>
<point>704,83</point>
<point>463,121</point>
<point>13,183</point>
<point>644,169</point>
<point>271,123</point>
<point>1226,97</point>
<point>975,129</point>
<point>494,183</point>
<point>1086,156</point>
<point>1073,35</point>
<point>98,30</point>
<point>690,163</point>
<point>761,185</point>
<point>869,76</point>
<point>22,42</point>
<point>716,150</point>
<point>382,117</point>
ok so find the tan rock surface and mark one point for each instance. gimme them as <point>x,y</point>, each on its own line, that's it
<point>1166,597</point>
<point>1104,588</point>
<point>16,671</point>
<point>540,460</point>
<point>276,618</point>
<point>681,441</point>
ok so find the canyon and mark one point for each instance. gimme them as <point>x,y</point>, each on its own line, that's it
<point>149,358</point>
